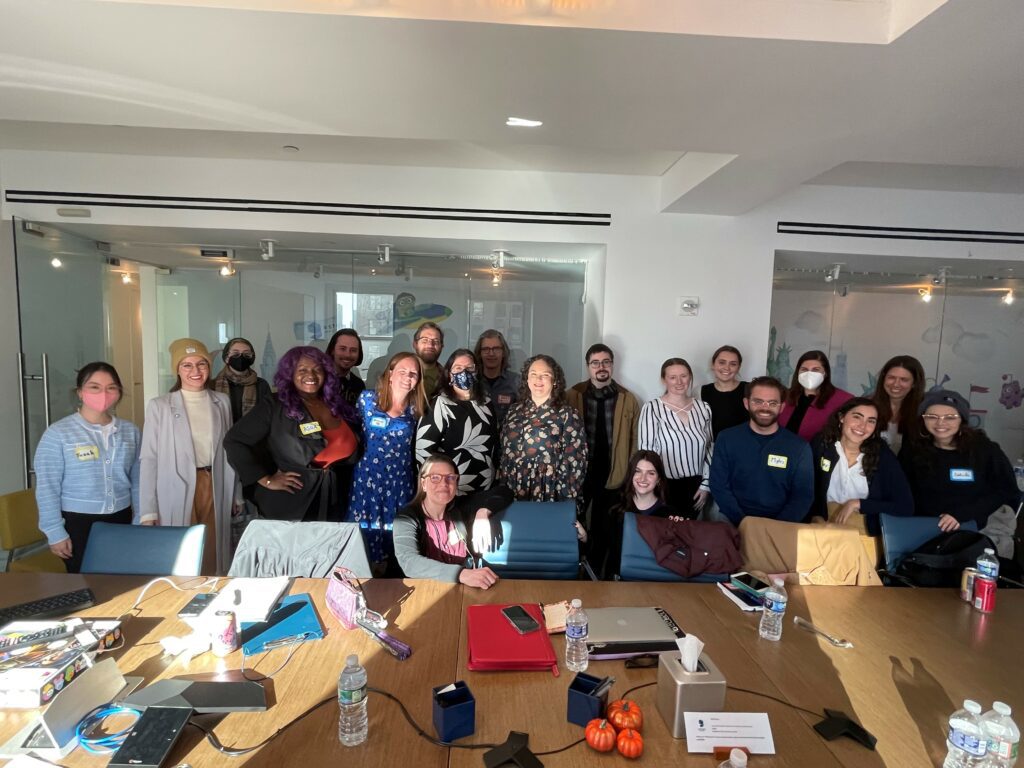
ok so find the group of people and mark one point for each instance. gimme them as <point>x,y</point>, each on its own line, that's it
<point>424,457</point>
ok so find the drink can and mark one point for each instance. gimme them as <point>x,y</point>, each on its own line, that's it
<point>984,594</point>
<point>223,635</point>
<point>967,584</point>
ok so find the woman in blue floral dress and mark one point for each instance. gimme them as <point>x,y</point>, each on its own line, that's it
<point>384,479</point>
<point>543,442</point>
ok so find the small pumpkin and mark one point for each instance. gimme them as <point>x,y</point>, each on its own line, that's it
<point>630,743</point>
<point>600,735</point>
<point>625,713</point>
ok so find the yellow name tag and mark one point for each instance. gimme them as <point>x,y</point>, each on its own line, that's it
<point>87,453</point>
<point>780,462</point>
<point>310,427</point>
<point>826,465</point>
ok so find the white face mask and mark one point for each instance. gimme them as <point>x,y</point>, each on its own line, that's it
<point>810,379</point>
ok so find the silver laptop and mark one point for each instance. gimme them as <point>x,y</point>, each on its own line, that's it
<point>631,630</point>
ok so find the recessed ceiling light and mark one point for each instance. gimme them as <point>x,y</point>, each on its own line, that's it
<point>290,148</point>
<point>522,122</point>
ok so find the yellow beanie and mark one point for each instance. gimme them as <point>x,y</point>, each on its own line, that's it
<point>182,348</point>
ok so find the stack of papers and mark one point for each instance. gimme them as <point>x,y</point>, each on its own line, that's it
<point>250,599</point>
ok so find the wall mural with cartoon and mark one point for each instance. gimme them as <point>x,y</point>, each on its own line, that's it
<point>974,348</point>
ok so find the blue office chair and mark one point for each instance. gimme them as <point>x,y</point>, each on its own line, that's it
<point>638,563</point>
<point>902,535</point>
<point>538,541</point>
<point>152,550</point>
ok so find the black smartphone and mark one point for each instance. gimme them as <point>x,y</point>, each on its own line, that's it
<point>748,582</point>
<point>520,619</point>
<point>196,605</point>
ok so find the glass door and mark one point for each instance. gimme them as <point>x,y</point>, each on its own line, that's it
<point>62,306</point>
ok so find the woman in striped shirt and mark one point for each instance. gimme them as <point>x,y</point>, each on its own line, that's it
<point>677,427</point>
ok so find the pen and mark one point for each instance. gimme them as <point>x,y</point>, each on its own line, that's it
<point>603,687</point>
<point>282,641</point>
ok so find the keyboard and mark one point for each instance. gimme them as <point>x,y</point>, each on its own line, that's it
<point>48,607</point>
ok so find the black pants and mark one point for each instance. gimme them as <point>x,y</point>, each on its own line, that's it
<point>603,533</point>
<point>78,525</point>
<point>679,495</point>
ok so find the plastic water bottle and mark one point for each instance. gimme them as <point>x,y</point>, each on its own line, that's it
<point>966,744</point>
<point>737,759</point>
<point>1003,736</point>
<point>775,599</point>
<point>352,722</point>
<point>988,564</point>
<point>577,629</point>
<point>1018,472</point>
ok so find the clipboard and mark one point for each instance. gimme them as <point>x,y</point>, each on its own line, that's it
<point>294,619</point>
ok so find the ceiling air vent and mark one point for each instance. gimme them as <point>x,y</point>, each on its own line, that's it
<point>217,253</point>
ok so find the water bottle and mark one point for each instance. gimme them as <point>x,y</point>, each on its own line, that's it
<point>988,564</point>
<point>737,759</point>
<point>966,744</point>
<point>577,628</point>
<point>1002,735</point>
<point>352,723</point>
<point>1018,472</point>
<point>775,599</point>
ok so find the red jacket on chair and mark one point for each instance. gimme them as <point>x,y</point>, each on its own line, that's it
<point>692,547</point>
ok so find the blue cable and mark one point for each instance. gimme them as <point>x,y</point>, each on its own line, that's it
<point>107,743</point>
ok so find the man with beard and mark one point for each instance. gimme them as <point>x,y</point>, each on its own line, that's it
<point>759,469</point>
<point>428,343</point>
<point>610,413</point>
<point>346,350</point>
<point>500,382</point>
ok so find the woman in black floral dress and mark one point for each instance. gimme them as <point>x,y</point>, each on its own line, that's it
<point>544,445</point>
<point>460,425</point>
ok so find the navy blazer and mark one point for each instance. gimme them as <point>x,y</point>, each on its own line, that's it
<point>888,490</point>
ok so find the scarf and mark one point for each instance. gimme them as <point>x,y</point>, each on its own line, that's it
<point>247,379</point>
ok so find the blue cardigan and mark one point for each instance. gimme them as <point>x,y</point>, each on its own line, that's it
<point>888,489</point>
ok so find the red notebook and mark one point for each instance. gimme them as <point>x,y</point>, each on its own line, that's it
<point>494,644</point>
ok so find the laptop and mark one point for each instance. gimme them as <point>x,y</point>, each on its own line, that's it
<point>623,632</point>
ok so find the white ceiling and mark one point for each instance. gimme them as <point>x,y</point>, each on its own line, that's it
<point>221,82</point>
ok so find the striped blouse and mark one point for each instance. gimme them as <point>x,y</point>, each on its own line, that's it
<point>685,448</point>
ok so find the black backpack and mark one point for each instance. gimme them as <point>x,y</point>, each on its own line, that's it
<point>941,561</point>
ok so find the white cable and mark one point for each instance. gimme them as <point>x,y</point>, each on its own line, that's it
<point>212,581</point>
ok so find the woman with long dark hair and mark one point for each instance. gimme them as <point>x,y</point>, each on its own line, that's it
<point>725,394</point>
<point>461,425</point>
<point>898,392</point>
<point>544,444</point>
<point>856,476</point>
<point>87,467</point>
<point>643,491</point>
<point>812,397</point>
<point>297,449</point>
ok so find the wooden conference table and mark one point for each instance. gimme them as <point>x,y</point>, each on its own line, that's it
<point>917,654</point>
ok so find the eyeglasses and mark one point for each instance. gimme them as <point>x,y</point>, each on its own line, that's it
<point>429,342</point>
<point>490,350</point>
<point>202,365</point>
<point>934,418</point>
<point>758,402</point>
<point>601,363</point>
<point>438,479</point>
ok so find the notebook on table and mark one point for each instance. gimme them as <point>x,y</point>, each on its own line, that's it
<point>494,644</point>
<point>623,632</point>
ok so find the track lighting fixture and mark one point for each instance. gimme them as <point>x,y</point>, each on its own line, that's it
<point>383,253</point>
<point>925,293</point>
<point>318,272</point>
<point>267,249</point>
<point>833,274</point>
<point>126,278</point>
<point>228,269</point>
<point>1008,298</point>
<point>496,278</point>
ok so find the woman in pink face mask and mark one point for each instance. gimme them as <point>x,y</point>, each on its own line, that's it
<point>87,467</point>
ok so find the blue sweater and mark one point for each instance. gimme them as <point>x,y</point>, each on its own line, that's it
<point>762,475</point>
<point>75,473</point>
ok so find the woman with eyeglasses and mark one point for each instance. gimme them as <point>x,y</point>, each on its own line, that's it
<point>384,478</point>
<point>543,441</point>
<point>87,467</point>
<point>898,392</point>
<point>461,425</point>
<point>677,427</point>
<point>438,532</point>
<point>811,397</point>
<point>185,476</point>
<point>956,472</point>
<point>238,380</point>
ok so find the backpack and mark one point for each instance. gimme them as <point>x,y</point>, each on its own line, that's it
<point>941,561</point>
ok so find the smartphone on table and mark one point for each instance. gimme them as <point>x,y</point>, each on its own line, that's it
<point>749,583</point>
<point>517,616</point>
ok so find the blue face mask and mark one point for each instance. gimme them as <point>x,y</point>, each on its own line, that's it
<point>464,379</point>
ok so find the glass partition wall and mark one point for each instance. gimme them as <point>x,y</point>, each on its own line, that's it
<point>959,318</point>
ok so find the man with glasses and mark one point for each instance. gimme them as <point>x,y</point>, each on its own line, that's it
<point>610,413</point>
<point>428,343</point>
<point>759,469</point>
<point>500,382</point>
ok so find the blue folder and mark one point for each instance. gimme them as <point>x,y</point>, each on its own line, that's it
<point>294,616</point>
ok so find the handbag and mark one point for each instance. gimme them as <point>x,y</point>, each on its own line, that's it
<point>347,603</point>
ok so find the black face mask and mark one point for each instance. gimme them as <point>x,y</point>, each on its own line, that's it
<point>241,363</point>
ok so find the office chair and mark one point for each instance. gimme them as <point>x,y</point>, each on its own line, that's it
<point>22,545</point>
<point>290,548</point>
<point>537,541</point>
<point>638,564</point>
<point>902,535</point>
<point>155,550</point>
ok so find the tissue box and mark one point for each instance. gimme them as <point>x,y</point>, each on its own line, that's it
<point>454,712</point>
<point>680,691</point>
<point>582,707</point>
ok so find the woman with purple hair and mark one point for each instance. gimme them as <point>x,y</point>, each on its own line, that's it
<point>295,452</point>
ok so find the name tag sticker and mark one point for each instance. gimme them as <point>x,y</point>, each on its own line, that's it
<point>826,465</point>
<point>87,453</point>
<point>961,475</point>
<point>779,462</point>
<point>310,428</point>
<point>504,399</point>
<point>379,422</point>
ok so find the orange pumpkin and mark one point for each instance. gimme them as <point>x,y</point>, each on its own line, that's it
<point>625,713</point>
<point>630,743</point>
<point>600,735</point>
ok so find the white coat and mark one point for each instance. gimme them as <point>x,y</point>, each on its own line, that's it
<point>167,484</point>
